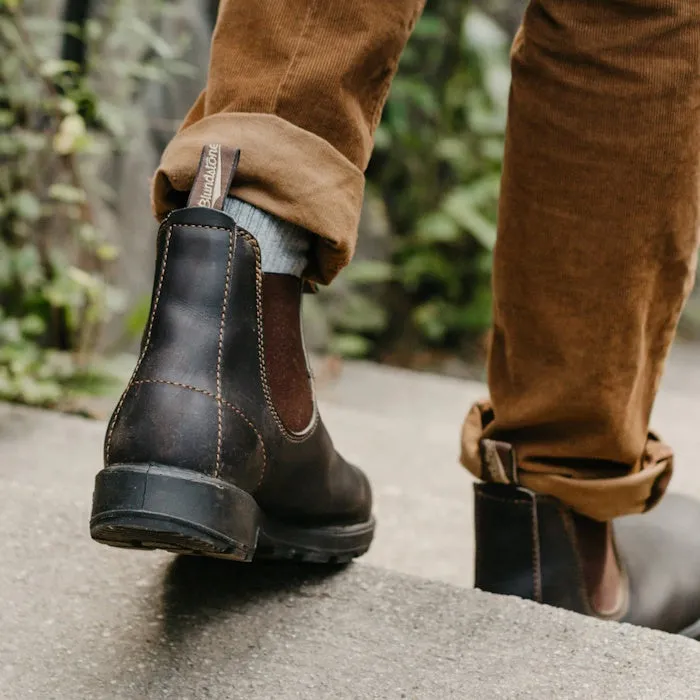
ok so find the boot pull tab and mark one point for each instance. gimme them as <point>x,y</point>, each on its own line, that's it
<point>215,173</point>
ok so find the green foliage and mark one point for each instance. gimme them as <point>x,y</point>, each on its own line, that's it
<point>54,294</point>
<point>436,168</point>
<point>433,182</point>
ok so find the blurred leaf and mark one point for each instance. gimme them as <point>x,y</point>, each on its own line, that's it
<point>27,267</point>
<point>53,67</point>
<point>113,117</point>
<point>107,252</point>
<point>92,383</point>
<point>161,47</point>
<point>114,299</point>
<point>429,319</point>
<point>437,227</point>
<point>67,106</point>
<point>483,35</point>
<point>87,234</point>
<point>9,146</point>
<point>349,345</point>
<point>454,151</point>
<point>5,268</point>
<point>148,71</point>
<point>382,138</point>
<point>71,134</point>
<point>64,292</point>
<point>368,272</point>
<point>137,318</point>
<point>461,205</point>
<point>66,193</point>
<point>33,325</point>
<point>7,118</point>
<point>26,205</point>
<point>361,314</point>
<point>417,93</point>
<point>430,27</point>
<point>429,265</point>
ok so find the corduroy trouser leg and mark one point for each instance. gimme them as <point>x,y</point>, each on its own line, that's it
<point>598,218</point>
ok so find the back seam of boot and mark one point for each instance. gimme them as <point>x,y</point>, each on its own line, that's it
<point>144,349</point>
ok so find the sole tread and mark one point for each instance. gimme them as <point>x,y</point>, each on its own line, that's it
<point>186,543</point>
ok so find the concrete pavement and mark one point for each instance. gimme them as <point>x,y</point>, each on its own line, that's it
<point>82,621</point>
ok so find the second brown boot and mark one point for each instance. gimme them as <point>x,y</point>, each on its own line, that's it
<point>641,569</point>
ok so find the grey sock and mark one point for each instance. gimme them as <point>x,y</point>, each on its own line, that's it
<point>284,247</point>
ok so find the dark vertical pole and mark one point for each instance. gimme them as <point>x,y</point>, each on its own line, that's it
<point>212,11</point>
<point>75,15</point>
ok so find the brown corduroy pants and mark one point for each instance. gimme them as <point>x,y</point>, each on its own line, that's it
<point>598,218</point>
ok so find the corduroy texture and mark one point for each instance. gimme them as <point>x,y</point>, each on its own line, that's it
<point>597,245</point>
<point>298,86</point>
<point>599,209</point>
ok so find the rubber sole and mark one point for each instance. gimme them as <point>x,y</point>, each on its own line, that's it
<point>157,507</point>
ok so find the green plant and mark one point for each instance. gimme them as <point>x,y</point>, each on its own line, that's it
<point>436,169</point>
<point>434,181</point>
<point>55,127</point>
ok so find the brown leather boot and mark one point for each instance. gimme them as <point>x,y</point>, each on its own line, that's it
<point>641,569</point>
<point>216,446</point>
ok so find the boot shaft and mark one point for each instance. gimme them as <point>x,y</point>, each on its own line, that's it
<point>526,547</point>
<point>200,375</point>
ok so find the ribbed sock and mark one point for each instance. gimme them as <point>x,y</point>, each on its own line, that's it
<point>284,246</point>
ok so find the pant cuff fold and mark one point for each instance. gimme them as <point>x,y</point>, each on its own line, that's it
<point>285,170</point>
<point>598,498</point>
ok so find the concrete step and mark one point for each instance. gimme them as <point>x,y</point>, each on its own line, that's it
<point>83,621</point>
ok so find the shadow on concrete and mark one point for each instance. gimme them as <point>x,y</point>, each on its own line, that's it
<point>198,590</point>
<point>223,584</point>
<point>205,615</point>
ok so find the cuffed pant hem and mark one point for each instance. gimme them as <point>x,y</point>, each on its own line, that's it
<point>600,498</point>
<point>285,170</point>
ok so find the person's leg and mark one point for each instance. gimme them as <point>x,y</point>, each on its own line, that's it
<point>595,257</point>
<point>298,86</point>
<point>216,445</point>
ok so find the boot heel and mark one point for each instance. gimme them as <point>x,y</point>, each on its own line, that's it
<point>157,507</point>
